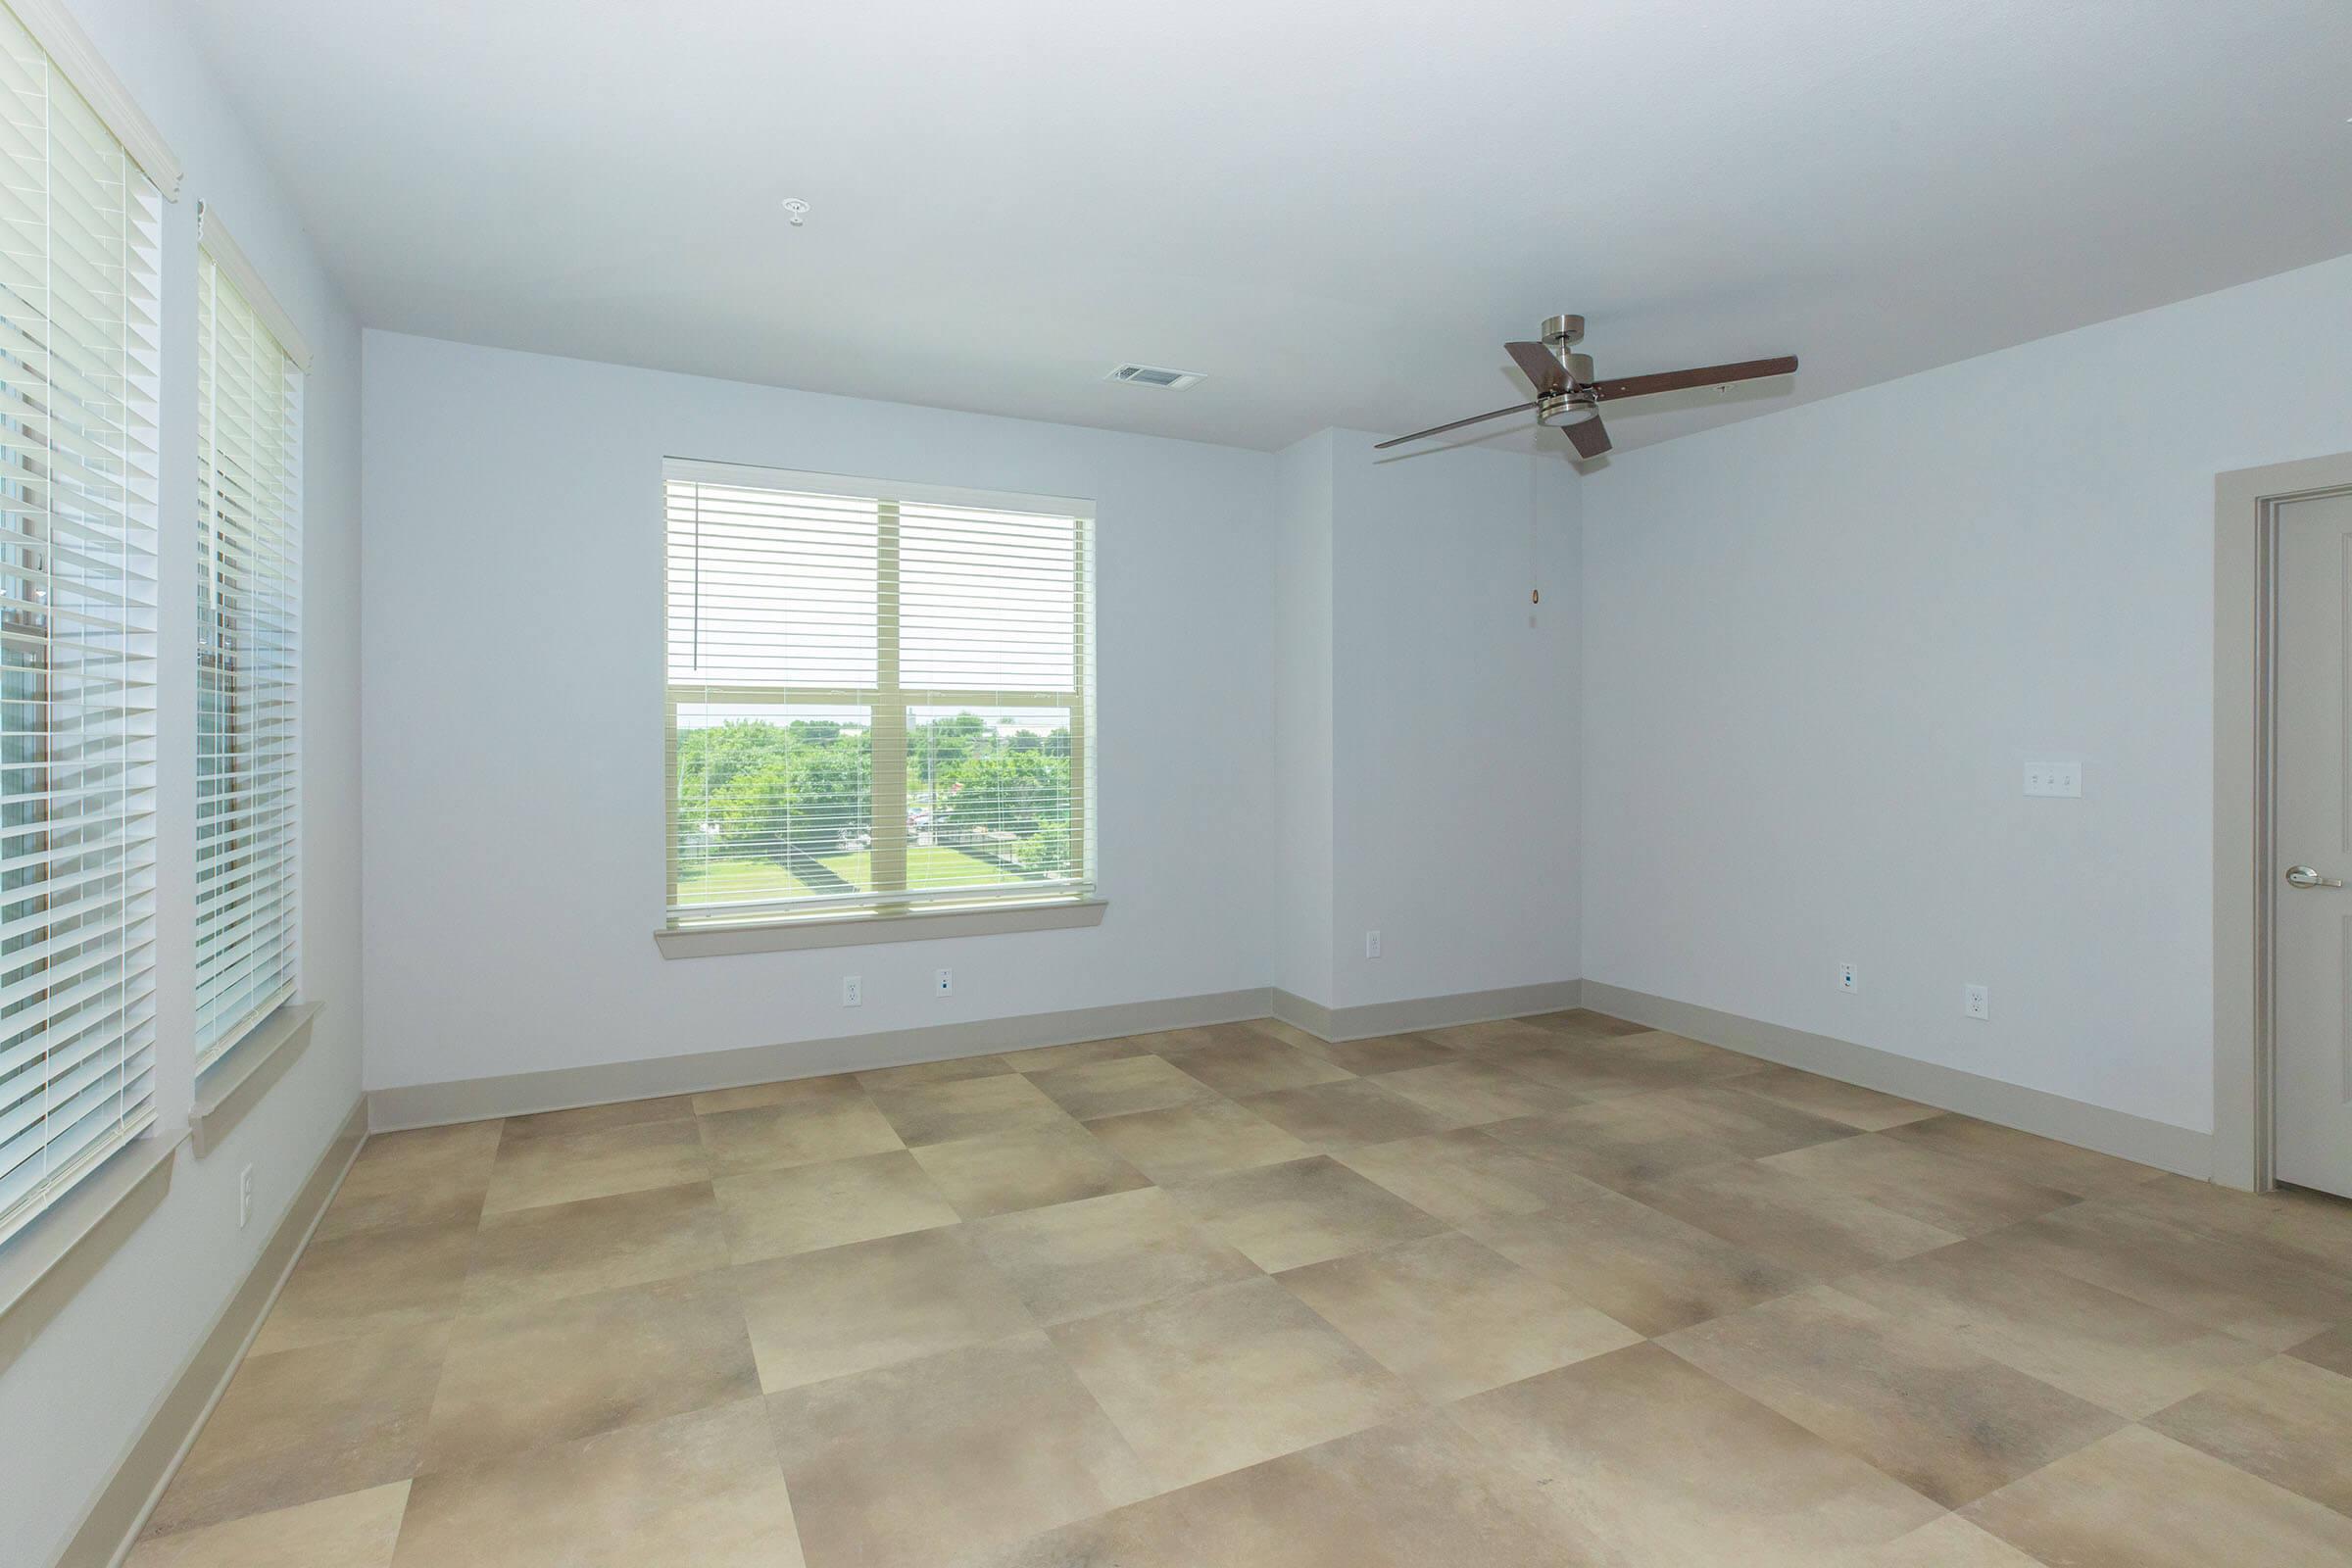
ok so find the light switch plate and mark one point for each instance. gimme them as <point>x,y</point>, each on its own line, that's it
<point>2053,778</point>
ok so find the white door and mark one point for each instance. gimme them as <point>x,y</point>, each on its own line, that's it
<point>2312,708</point>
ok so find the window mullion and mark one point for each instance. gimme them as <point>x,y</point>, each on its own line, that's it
<point>888,733</point>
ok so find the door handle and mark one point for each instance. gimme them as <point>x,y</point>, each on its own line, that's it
<point>2303,876</point>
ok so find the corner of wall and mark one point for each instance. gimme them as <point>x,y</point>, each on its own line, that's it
<point>1304,677</point>
<point>1439,593</point>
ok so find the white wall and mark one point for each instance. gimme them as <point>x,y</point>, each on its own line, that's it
<point>514,679</point>
<point>1427,716</point>
<point>1322,700</point>
<point>1455,720</point>
<point>74,1401</point>
<point>1820,644</point>
<point>1300,897</point>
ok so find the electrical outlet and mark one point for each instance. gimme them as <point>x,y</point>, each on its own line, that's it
<point>1848,979</point>
<point>852,990</point>
<point>943,981</point>
<point>1977,1000</point>
<point>1371,944</point>
<point>245,1198</point>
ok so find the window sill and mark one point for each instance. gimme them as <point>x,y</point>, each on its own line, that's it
<point>235,1083</point>
<point>858,930</point>
<point>51,1259</point>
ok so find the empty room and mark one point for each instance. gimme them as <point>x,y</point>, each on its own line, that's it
<point>1254,785</point>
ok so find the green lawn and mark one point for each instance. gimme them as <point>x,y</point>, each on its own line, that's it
<point>927,867</point>
<point>725,881</point>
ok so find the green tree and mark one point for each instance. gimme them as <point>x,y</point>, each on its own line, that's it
<point>801,802</point>
<point>1009,792</point>
<point>815,731</point>
<point>939,746</point>
<point>710,757</point>
<point>1046,851</point>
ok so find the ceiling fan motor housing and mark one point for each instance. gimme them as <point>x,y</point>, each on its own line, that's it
<point>1563,331</point>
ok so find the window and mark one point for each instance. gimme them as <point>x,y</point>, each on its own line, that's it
<point>248,657</point>
<point>880,697</point>
<point>78,262</point>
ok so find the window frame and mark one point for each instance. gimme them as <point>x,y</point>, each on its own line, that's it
<point>129,368</point>
<point>831,919</point>
<point>267,1026</point>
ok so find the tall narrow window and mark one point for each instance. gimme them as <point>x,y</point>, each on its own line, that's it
<point>880,697</point>
<point>249,608</point>
<point>78,242</point>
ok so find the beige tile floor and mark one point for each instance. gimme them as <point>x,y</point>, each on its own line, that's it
<point>1552,1291</point>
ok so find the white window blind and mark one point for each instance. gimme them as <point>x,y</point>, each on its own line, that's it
<point>248,765</point>
<point>78,262</point>
<point>880,696</point>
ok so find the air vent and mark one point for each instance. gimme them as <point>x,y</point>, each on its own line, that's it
<point>1153,375</point>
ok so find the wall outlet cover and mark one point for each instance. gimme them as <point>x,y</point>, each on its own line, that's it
<point>1977,1000</point>
<point>943,981</point>
<point>1847,979</point>
<point>852,990</point>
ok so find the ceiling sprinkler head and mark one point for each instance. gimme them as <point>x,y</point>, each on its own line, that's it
<point>798,208</point>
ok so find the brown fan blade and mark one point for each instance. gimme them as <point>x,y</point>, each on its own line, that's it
<point>1441,429</point>
<point>1588,436</point>
<point>1635,386</point>
<point>1542,366</point>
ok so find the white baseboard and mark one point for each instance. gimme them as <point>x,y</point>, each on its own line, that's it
<point>2034,1110</point>
<point>1425,1012</point>
<point>564,1088</point>
<point>2182,1150</point>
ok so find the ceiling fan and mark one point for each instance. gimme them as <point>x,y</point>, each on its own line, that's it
<point>1569,400</point>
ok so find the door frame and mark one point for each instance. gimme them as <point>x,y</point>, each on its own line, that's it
<point>2245,532</point>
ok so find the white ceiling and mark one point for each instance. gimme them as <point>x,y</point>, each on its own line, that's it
<point>1337,211</point>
